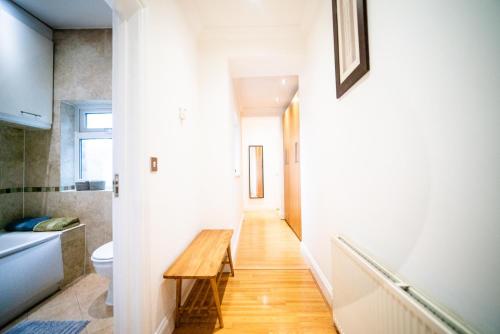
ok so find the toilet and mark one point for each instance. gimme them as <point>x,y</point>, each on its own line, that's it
<point>102,258</point>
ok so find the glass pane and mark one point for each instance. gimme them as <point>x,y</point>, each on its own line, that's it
<point>256,173</point>
<point>99,121</point>
<point>96,160</point>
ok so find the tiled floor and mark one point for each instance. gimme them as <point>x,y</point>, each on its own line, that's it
<point>83,300</point>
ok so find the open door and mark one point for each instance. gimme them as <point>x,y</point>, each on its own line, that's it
<point>291,143</point>
<point>129,245</point>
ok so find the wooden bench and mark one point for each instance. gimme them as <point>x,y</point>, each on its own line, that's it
<point>204,259</point>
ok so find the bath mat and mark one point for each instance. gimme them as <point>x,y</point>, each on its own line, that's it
<point>48,327</point>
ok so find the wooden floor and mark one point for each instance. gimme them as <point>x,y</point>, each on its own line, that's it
<point>267,242</point>
<point>277,295</point>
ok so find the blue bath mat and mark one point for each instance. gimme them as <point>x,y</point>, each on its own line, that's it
<point>48,327</point>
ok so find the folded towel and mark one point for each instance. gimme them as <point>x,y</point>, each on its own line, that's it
<point>56,224</point>
<point>25,224</point>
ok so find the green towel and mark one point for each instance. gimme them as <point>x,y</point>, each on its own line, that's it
<point>56,224</point>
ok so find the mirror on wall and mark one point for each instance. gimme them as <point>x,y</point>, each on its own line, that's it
<point>256,171</point>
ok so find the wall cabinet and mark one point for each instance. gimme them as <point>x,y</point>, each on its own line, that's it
<point>291,143</point>
<point>26,69</point>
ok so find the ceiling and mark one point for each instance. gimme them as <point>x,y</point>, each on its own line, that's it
<point>257,74</point>
<point>218,15</point>
<point>265,96</point>
<point>69,14</point>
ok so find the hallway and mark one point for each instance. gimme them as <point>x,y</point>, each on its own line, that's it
<point>267,242</point>
<point>272,290</point>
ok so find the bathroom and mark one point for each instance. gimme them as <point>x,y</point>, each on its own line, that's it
<point>56,162</point>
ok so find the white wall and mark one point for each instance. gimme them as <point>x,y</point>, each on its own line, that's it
<point>195,186</point>
<point>407,163</point>
<point>218,55</point>
<point>220,187</point>
<point>265,131</point>
<point>173,203</point>
<point>222,58</point>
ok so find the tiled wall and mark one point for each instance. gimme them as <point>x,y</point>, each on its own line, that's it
<point>11,173</point>
<point>73,253</point>
<point>82,71</point>
<point>92,207</point>
<point>67,144</point>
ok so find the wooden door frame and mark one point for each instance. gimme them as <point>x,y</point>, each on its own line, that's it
<point>249,181</point>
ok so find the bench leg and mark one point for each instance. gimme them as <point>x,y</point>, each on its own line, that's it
<point>215,291</point>
<point>230,260</point>
<point>178,299</point>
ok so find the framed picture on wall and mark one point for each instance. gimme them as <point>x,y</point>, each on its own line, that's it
<point>350,37</point>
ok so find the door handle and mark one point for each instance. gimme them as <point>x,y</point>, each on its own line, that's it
<point>29,113</point>
<point>116,185</point>
<point>297,157</point>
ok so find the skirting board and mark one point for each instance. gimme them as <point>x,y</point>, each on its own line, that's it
<point>167,324</point>
<point>321,279</point>
<point>236,238</point>
<point>235,242</point>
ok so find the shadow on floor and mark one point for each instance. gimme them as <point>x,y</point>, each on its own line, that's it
<point>203,317</point>
<point>98,309</point>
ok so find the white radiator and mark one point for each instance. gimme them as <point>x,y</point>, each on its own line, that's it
<point>367,298</point>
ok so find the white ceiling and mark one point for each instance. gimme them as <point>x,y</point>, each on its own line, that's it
<point>287,64</point>
<point>257,74</point>
<point>264,96</point>
<point>221,15</point>
<point>69,14</point>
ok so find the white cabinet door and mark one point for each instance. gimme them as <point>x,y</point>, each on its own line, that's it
<point>26,73</point>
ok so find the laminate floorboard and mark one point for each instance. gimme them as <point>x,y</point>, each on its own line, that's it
<point>272,291</point>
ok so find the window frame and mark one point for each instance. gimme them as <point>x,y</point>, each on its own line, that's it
<point>82,132</point>
<point>92,109</point>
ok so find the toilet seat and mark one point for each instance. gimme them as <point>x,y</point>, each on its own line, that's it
<point>102,260</point>
<point>103,253</point>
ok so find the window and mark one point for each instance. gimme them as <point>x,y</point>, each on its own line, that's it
<point>94,121</point>
<point>93,144</point>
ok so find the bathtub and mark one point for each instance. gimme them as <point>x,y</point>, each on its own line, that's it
<point>31,269</point>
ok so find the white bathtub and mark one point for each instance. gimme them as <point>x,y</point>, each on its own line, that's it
<point>31,269</point>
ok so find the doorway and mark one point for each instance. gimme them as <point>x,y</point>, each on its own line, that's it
<point>270,134</point>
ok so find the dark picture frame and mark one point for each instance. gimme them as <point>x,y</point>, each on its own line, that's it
<point>351,48</point>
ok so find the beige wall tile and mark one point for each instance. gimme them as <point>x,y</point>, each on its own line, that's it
<point>67,159</point>
<point>82,64</point>
<point>92,207</point>
<point>74,253</point>
<point>11,172</point>
<point>11,207</point>
<point>82,71</point>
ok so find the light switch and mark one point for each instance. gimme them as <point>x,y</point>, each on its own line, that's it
<point>154,164</point>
